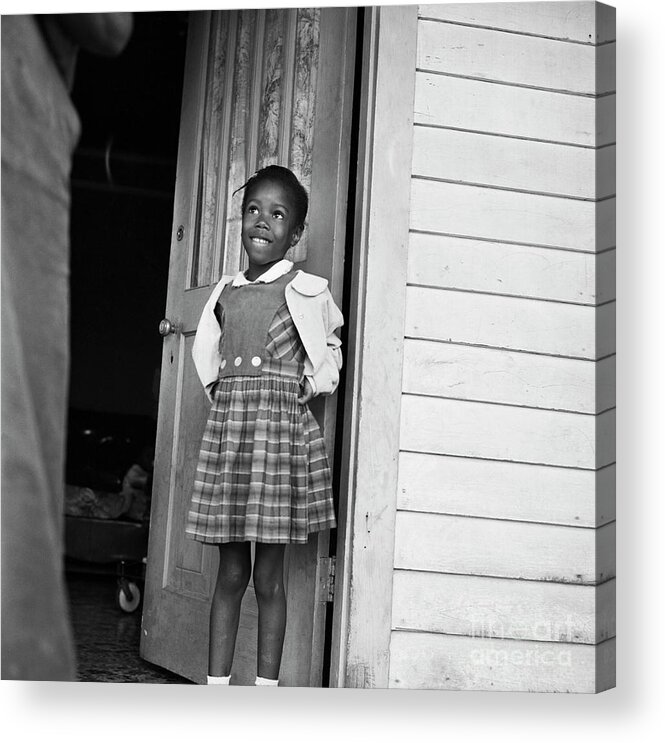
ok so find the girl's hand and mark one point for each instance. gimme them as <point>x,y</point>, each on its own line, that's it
<point>308,392</point>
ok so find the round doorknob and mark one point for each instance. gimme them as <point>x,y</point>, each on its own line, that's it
<point>166,327</point>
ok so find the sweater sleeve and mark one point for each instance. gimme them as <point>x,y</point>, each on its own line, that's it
<point>326,378</point>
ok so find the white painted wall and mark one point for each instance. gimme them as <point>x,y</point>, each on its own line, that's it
<point>504,532</point>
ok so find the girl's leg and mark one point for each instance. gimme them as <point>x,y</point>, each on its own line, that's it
<point>235,566</point>
<point>271,599</point>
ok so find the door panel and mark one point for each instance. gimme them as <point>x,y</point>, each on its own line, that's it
<point>186,565</point>
<point>261,86</point>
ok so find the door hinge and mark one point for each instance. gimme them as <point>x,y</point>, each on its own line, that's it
<point>327,578</point>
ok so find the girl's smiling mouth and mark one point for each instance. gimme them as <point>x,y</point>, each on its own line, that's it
<point>259,240</point>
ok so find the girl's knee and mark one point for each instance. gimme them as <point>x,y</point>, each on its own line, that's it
<point>234,578</point>
<point>268,585</point>
<point>269,571</point>
<point>233,575</point>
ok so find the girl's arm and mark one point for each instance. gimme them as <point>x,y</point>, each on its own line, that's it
<point>326,378</point>
<point>205,349</point>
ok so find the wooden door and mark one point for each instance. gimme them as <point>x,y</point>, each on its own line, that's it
<point>261,87</point>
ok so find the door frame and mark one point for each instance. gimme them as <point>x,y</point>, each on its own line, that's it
<point>362,607</point>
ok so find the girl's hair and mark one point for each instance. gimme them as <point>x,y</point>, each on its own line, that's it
<point>288,181</point>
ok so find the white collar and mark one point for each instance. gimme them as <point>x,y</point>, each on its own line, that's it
<point>272,274</point>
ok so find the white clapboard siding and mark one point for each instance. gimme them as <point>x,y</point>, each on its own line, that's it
<point>605,168</point>
<point>509,110</point>
<point>505,532</point>
<point>508,216</point>
<point>487,374</point>
<point>430,661</point>
<point>573,21</point>
<point>506,490</point>
<point>522,164</point>
<point>487,431</point>
<point>510,322</point>
<point>504,549</point>
<point>479,606</point>
<point>520,270</point>
<point>606,276</point>
<point>515,59</point>
<point>606,382</point>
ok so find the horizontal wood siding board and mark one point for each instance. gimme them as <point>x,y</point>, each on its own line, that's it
<point>606,224</point>
<point>606,317</point>
<point>605,170</point>
<point>510,323</point>
<point>506,490</point>
<point>491,375</point>
<point>606,610</point>
<point>487,431</point>
<point>605,22</point>
<point>605,438</point>
<point>508,609</point>
<point>605,275</point>
<point>519,270</point>
<point>488,54</point>
<point>539,167</point>
<point>431,661</point>
<point>581,22</point>
<point>504,549</point>
<point>605,64</point>
<point>480,106</point>
<point>606,494</point>
<point>605,120</point>
<point>606,383</point>
<point>508,216</point>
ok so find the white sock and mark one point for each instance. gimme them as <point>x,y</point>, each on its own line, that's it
<point>225,680</point>
<point>260,681</point>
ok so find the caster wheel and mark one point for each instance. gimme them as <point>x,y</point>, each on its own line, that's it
<point>128,596</point>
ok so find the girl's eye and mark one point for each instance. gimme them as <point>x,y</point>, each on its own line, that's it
<point>252,210</point>
<point>278,215</point>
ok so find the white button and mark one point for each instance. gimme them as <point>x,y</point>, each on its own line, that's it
<point>238,361</point>
<point>256,361</point>
<point>223,364</point>
<point>301,316</point>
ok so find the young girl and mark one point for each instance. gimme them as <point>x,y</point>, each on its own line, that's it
<point>264,347</point>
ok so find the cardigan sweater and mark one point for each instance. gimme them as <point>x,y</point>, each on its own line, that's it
<point>316,317</point>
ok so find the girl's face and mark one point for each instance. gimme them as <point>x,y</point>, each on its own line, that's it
<point>268,225</point>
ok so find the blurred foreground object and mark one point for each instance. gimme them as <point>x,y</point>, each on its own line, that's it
<point>40,129</point>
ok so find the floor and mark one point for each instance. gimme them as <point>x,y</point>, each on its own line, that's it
<point>107,638</point>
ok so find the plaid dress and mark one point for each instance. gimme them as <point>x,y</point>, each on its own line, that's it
<point>263,473</point>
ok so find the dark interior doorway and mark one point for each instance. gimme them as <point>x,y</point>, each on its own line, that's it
<point>122,205</point>
<point>123,182</point>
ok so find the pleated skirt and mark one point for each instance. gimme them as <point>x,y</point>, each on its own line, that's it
<point>263,473</point>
